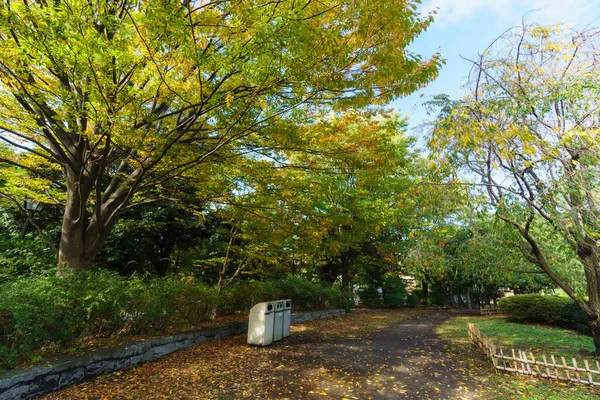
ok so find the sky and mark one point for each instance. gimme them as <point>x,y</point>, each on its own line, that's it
<point>466,27</point>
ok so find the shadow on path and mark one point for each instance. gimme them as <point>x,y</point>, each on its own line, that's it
<point>406,360</point>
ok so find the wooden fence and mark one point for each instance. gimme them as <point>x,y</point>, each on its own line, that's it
<point>525,363</point>
<point>489,310</point>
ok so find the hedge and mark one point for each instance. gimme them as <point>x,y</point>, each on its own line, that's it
<point>38,313</point>
<point>554,310</point>
<point>305,295</point>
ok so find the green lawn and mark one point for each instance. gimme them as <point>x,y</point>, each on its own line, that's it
<point>538,339</point>
<point>499,385</point>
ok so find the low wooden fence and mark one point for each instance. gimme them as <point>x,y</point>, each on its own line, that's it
<point>525,363</point>
<point>489,310</point>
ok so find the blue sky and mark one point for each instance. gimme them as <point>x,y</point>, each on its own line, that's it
<point>467,27</point>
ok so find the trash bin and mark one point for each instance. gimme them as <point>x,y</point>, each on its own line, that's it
<point>278,321</point>
<point>260,324</point>
<point>287,317</point>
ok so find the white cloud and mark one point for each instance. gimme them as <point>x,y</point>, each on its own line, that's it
<point>510,11</point>
<point>454,11</point>
<point>567,11</point>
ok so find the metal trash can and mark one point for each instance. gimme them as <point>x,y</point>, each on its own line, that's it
<point>260,324</point>
<point>287,317</point>
<point>278,323</point>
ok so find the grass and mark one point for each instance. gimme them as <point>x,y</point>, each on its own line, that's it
<point>538,339</point>
<point>498,385</point>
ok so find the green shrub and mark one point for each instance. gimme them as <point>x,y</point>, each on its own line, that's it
<point>242,295</point>
<point>20,257</point>
<point>305,295</point>
<point>533,308</point>
<point>435,298</point>
<point>394,291</point>
<point>370,297</point>
<point>44,311</point>
<point>49,311</point>
<point>571,316</point>
<point>171,301</point>
<point>414,299</point>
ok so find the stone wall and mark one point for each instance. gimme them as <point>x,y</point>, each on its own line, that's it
<point>68,370</point>
<point>298,318</point>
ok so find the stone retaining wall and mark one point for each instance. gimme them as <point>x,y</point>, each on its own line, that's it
<point>298,318</point>
<point>69,370</point>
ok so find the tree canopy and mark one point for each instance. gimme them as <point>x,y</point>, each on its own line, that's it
<point>108,100</point>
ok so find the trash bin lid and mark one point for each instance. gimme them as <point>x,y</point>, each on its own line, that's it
<point>266,307</point>
<point>279,305</point>
<point>288,304</point>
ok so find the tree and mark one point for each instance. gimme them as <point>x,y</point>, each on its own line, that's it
<point>528,133</point>
<point>333,210</point>
<point>357,192</point>
<point>123,96</point>
<point>151,238</point>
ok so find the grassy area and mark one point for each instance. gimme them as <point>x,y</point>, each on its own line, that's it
<point>498,385</point>
<point>538,339</point>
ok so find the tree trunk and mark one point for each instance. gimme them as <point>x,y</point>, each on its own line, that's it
<point>345,271</point>
<point>425,290</point>
<point>215,310</point>
<point>75,252</point>
<point>595,327</point>
<point>223,270</point>
<point>468,297</point>
<point>451,295</point>
<point>83,233</point>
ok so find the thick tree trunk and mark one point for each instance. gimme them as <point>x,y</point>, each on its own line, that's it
<point>74,252</point>
<point>78,246</point>
<point>595,327</point>
<point>83,233</point>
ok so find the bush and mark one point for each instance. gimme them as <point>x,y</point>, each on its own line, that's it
<point>370,296</point>
<point>533,308</point>
<point>41,312</point>
<point>49,311</point>
<point>571,316</point>
<point>414,299</point>
<point>305,295</point>
<point>171,301</point>
<point>394,291</point>
<point>20,257</point>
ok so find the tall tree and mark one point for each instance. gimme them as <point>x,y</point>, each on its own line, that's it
<point>529,133</point>
<point>125,95</point>
<point>337,204</point>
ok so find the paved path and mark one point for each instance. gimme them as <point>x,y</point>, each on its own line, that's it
<point>415,355</point>
<point>406,360</point>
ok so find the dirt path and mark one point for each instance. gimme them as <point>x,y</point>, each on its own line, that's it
<point>359,356</point>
